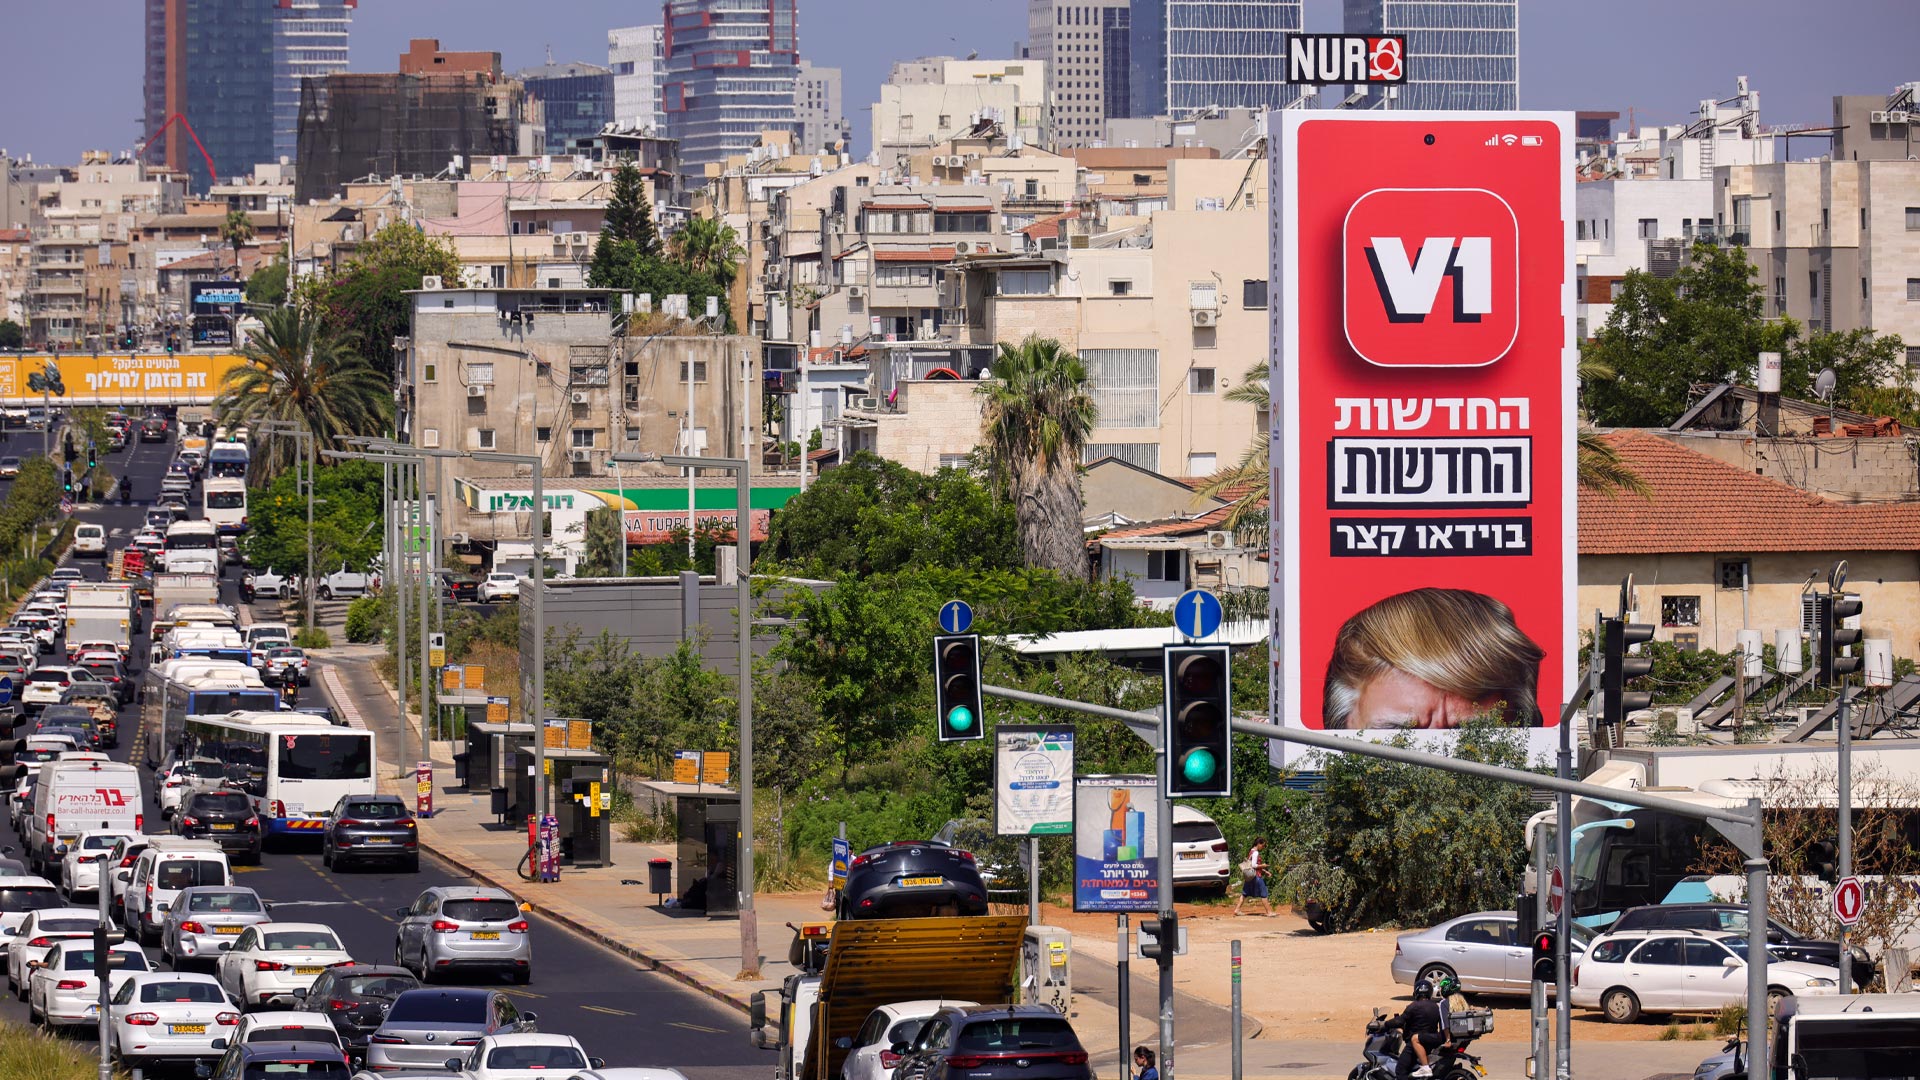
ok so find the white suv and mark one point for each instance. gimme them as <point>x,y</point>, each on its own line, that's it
<point>499,586</point>
<point>1668,971</point>
<point>90,540</point>
<point>1200,857</point>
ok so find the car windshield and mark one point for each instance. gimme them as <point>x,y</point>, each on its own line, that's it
<point>300,941</point>
<point>205,770</point>
<point>1195,832</point>
<point>28,897</point>
<point>536,1057</point>
<point>325,757</point>
<point>376,986</point>
<point>98,843</point>
<point>226,500</point>
<point>223,902</point>
<point>295,1069</point>
<point>197,992</point>
<point>292,1033</point>
<point>186,873</point>
<point>117,960</point>
<point>376,811</point>
<point>1019,1033</point>
<point>67,926</point>
<point>487,910</point>
<point>432,1007</point>
<point>225,802</point>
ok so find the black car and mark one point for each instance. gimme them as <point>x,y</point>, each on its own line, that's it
<point>153,429</point>
<point>990,1042</point>
<point>356,999</point>
<point>74,720</point>
<point>114,674</point>
<point>462,587</point>
<point>281,1061</point>
<point>370,828</point>
<point>324,712</point>
<point>912,879</point>
<point>1782,942</point>
<point>224,816</point>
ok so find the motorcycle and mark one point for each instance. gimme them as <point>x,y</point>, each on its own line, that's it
<point>1386,1055</point>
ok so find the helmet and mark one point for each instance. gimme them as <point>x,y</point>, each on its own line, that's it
<point>1423,989</point>
<point>1446,987</point>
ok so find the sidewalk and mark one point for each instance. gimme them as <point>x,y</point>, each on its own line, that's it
<point>705,953</point>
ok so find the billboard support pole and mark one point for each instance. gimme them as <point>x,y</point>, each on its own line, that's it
<point>1122,995</point>
<point>1563,920</point>
<point>1169,930</point>
<point>1033,881</point>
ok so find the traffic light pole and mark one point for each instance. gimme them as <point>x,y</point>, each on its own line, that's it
<point>1169,930</point>
<point>1563,920</point>
<point>1843,726</point>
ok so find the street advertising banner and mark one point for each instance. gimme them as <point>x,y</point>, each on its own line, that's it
<point>1422,446</point>
<point>1033,780</point>
<point>1116,844</point>
<point>132,379</point>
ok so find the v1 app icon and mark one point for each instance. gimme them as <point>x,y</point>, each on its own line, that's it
<point>1431,277</point>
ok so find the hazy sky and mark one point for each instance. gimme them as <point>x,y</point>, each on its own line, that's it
<point>71,80</point>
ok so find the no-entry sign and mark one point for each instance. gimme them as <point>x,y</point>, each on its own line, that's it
<point>1556,893</point>
<point>1849,900</point>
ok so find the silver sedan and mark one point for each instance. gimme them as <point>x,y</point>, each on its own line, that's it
<point>205,920</point>
<point>1483,950</point>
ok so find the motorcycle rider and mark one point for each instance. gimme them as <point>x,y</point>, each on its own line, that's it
<point>1421,1024</point>
<point>1452,1002</point>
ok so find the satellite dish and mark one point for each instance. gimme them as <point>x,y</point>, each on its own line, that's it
<point>1823,384</point>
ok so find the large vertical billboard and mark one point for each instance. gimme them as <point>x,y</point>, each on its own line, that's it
<point>1422,444</point>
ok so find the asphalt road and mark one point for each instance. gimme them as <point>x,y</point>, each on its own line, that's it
<point>623,1013</point>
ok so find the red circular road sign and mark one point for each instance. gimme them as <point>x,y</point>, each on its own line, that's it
<point>1556,891</point>
<point>1849,898</point>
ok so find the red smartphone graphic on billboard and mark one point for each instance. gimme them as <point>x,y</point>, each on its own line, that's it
<point>1422,446</point>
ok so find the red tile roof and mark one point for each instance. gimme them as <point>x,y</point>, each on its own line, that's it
<point>1212,519</point>
<point>1703,505</point>
<point>937,254</point>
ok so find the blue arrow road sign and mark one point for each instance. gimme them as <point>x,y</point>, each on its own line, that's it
<point>957,615</point>
<point>6,690</point>
<point>1197,613</point>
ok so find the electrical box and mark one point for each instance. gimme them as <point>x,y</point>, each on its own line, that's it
<point>1046,968</point>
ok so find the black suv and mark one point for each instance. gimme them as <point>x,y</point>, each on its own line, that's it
<point>912,879</point>
<point>990,1042</point>
<point>356,999</point>
<point>281,1060</point>
<point>1732,918</point>
<point>370,828</point>
<point>224,816</point>
<point>464,588</point>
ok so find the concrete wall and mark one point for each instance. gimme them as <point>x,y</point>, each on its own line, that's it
<point>1849,470</point>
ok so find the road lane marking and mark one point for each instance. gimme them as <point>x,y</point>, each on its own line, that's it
<point>694,1027</point>
<point>520,993</point>
<point>609,1012</point>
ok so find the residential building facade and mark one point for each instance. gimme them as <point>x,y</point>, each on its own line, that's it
<point>730,72</point>
<point>820,118</point>
<point>577,100</point>
<point>1461,54</point>
<point>637,55</point>
<point>933,99</point>
<point>85,283</point>
<point>1190,57</point>
<point>1087,47</point>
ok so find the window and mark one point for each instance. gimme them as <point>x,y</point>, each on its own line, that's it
<point>1580,229</point>
<point>1649,228</point>
<point>1253,294</point>
<point>1165,565</point>
<point>1779,220</point>
<point>962,223</point>
<point>1662,951</point>
<point>1680,611</point>
<point>1203,296</point>
<point>699,371</point>
<point>1913,288</point>
<point>543,434</point>
<point>1119,288</point>
<point>1614,289</point>
<point>429,373</point>
<point>1202,464</point>
<point>1126,386</point>
<point>1733,573</point>
<point>1913,356</point>
<point>1200,380</point>
<point>1913,219</point>
<point>1826,219</point>
<point>1025,282</point>
<point>902,276</point>
<point>480,373</point>
<point>1483,932</point>
<point>1863,219</point>
<point>1813,285</point>
<point>483,438</point>
<point>1863,288</point>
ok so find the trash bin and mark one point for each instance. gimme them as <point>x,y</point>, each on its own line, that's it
<point>460,769</point>
<point>499,806</point>
<point>660,876</point>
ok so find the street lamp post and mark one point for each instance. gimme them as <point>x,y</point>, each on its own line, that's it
<point>536,708</point>
<point>301,437</point>
<point>391,482</point>
<point>743,542</point>
<point>429,560</point>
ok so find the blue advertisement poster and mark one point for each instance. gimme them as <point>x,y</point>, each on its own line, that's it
<point>1116,843</point>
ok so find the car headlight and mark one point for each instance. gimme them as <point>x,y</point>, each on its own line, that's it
<point>1820,982</point>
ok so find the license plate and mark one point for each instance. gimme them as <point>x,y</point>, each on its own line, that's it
<point>486,935</point>
<point>922,882</point>
<point>226,827</point>
<point>312,970</point>
<point>187,1029</point>
<point>379,840</point>
<point>1193,854</point>
<point>227,929</point>
<point>1481,1069</point>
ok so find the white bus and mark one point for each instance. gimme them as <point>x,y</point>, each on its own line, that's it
<point>294,766</point>
<point>189,686</point>
<point>193,547</point>
<point>223,502</point>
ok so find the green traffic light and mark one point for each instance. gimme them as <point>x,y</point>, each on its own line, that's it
<point>1199,765</point>
<point>960,719</point>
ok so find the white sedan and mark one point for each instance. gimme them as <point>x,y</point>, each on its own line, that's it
<point>80,866</point>
<point>169,1016</point>
<point>269,962</point>
<point>63,991</point>
<point>27,946</point>
<point>522,1056</point>
<point>286,1025</point>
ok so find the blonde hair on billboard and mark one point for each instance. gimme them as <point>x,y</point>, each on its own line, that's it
<point>1458,641</point>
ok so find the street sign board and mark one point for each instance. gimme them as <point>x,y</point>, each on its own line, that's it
<point>1556,892</point>
<point>842,858</point>
<point>956,616</point>
<point>686,766</point>
<point>6,690</point>
<point>497,710</point>
<point>1197,614</point>
<point>1849,900</point>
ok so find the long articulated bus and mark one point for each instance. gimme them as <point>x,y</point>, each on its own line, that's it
<point>294,766</point>
<point>191,686</point>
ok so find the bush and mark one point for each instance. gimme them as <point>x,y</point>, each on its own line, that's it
<point>365,619</point>
<point>26,1054</point>
<point>316,637</point>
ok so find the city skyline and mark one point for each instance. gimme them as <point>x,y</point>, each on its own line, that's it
<point>1660,76</point>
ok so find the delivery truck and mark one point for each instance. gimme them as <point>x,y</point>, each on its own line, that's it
<point>101,611</point>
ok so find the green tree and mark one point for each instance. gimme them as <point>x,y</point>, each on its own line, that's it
<point>368,304</point>
<point>12,335</point>
<point>707,247</point>
<point>874,516</point>
<point>1864,364</point>
<point>236,231</point>
<point>864,648</point>
<point>1037,414</point>
<point>267,285</point>
<point>604,538</point>
<point>1245,483</point>
<point>629,216</point>
<point>299,372</point>
<point>345,524</point>
<point>1598,467</point>
<point>619,264</point>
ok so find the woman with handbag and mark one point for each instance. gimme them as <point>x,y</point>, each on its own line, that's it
<point>1253,877</point>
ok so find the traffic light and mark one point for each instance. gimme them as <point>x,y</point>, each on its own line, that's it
<point>1194,727</point>
<point>1544,968</point>
<point>956,690</point>
<point>1160,938</point>
<point>1833,610</point>
<point>1823,858</point>
<point>66,479</point>
<point>1615,701</point>
<point>93,456</point>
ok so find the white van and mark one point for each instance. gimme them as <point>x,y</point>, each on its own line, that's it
<point>90,540</point>
<point>223,501</point>
<point>75,796</point>
<point>169,864</point>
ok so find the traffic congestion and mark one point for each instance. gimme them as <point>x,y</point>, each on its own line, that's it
<point>270,907</point>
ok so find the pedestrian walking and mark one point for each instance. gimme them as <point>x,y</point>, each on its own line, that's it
<point>1253,877</point>
<point>1143,1064</point>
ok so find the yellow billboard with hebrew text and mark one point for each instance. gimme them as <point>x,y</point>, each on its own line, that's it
<point>127,379</point>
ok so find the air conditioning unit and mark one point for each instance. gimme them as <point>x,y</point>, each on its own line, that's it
<point>1899,116</point>
<point>430,281</point>
<point>856,292</point>
<point>581,239</point>
<point>580,456</point>
<point>459,538</point>
<point>579,397</point>
<point>867,402</point>
<point>1206,317</point>
<point>1220,539</point>
<point>939,162</point>
<point>963,247</point>
<point>476,391</point>
<point>971,158</point>
<point>559,241</point>
<point>1877,117</point>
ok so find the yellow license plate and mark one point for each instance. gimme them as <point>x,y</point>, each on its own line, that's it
<point>379,840</point>
<point>1481,1069</point>
<point>1193,854</point>
<point>226,929</point>
<point>223,827</point>
<point>486,935</point>
<point>187,1029</point>
<point>922,882</point>
<point>315,970</point>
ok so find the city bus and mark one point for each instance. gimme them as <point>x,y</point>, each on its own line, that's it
<point>190,686</point>
<point>223,503</point>
<point>227,459</point>
<point>294,766</point>
<point>192,547</point>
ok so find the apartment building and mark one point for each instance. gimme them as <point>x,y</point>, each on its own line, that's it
<point>16,266</point>
<point>82,224</point>
<point>1461,54</point>
<point>936,98</point>
<point>637,55</point>
<point>820,117</point>
<point>1192,57</point>
<point>1086,45</point>
<point>730,71</point>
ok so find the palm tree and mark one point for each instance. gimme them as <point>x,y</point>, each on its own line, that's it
<point>1246,479</point>
<point>705,246</point>
<point>1037,414</point>
<point>1598,467</point>
<point>300,373</point>
<point>236,230</point>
